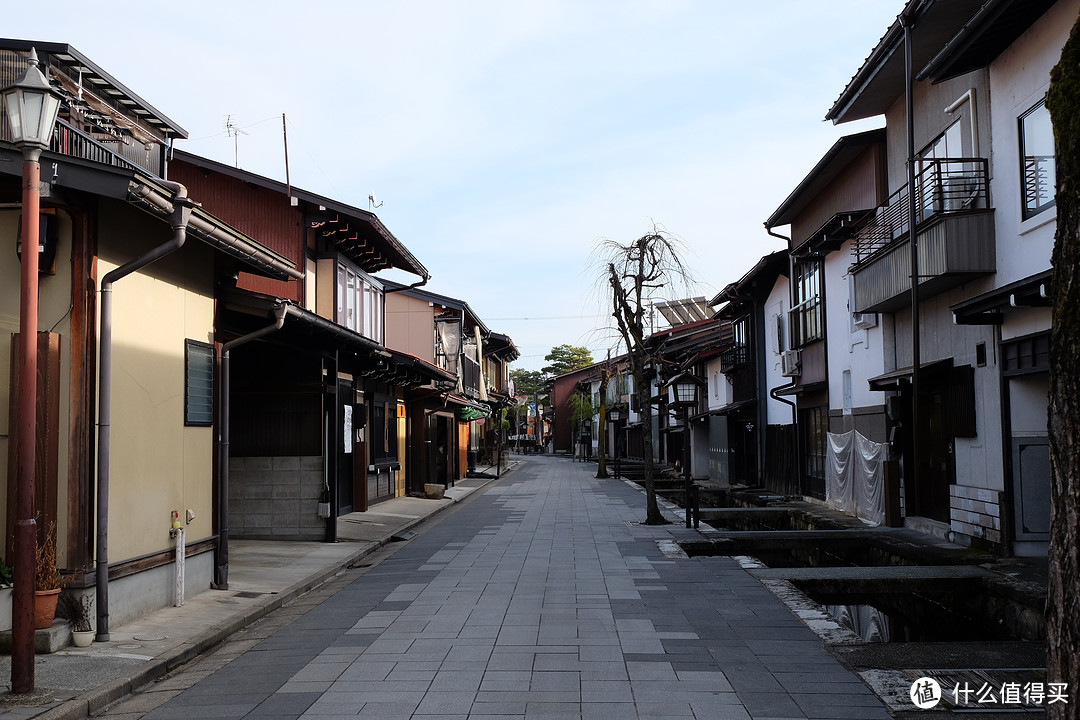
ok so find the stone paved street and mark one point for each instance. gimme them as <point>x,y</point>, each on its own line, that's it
<point>542,597</point>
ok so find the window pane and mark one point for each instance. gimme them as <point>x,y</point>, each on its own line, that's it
<point>198,383</point>
<point>1037,160</point>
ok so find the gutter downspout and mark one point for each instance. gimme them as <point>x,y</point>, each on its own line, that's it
<point>221,565</point>
<point>794,424</point>
<point>793,383</point>
<point>419,283</point>
<point>182,207</point>
<point>907,20</point>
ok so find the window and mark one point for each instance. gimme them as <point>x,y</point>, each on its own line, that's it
<point>807,323</point>
<point>359,302</point>
<point>1037,168</point>
<point>739,352</point>
<point>384,436</point>
<point>814,424</point>
<point>198,383</point>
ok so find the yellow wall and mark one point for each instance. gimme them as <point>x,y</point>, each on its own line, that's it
<point>157,464</point>
<point>410,326</point>
<point>54,301</point>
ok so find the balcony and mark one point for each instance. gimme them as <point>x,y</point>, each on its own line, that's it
<point>470,376</point>
<point>734,357</point>
<point>72,142</point>
<point>955,229</point>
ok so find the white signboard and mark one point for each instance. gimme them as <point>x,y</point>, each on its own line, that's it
<point>347,430</point>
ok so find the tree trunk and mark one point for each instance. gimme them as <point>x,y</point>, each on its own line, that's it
<point>1063,591</point>
<point>601,435</point>
<point>642,389</point>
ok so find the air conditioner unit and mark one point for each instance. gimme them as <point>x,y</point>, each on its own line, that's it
<point>791,363</point>
<point>864,320</point>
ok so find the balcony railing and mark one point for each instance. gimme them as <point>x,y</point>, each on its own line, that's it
<point>734,357</point>
<point>470,375</point>
<point>955,229</point>
<point>943,187</point>
<point>69,140</point>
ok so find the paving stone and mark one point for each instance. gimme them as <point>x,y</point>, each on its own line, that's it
<point>536,599</point>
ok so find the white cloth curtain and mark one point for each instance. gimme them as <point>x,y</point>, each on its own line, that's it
<point>854,476</point>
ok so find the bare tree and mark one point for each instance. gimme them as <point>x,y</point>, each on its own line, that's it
<point>1062,618</point>
<point>601,437</point>
<point>634,273</point>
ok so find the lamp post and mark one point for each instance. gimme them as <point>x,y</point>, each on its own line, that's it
<point>614,416</point>
<point>30,106</point>
<point>684,391</point>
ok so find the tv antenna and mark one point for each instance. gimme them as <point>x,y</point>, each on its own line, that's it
<point>372,202</point>
<point>233,131</point>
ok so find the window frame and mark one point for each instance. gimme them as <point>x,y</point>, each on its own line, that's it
<point>204,350</point>
<point>360,301</point>
<point>807,316</point>
<point>1027,212</point>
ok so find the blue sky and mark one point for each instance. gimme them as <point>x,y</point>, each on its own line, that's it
<point>507,139</point>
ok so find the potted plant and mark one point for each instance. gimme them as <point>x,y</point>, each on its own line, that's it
<point>77,609</point>
<point>46,580</point>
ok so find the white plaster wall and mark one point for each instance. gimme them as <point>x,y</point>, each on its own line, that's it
<point>719,389</point>
<point>978,459</point>
<point>859,351</point>
<point>777,304</point>
<point>1025,321</point>
<point>1019,78</point>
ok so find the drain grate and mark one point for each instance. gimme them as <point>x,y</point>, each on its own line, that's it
<point>633,523</point>
<point>248,594</point>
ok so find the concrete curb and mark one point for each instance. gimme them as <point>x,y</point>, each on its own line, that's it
<point>93,701</point>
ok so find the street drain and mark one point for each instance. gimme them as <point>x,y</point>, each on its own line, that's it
<point>148,638</point>
<point>248,594</point>
<point>633,523</point>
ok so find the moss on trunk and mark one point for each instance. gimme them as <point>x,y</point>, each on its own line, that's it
<point>1063,597</point>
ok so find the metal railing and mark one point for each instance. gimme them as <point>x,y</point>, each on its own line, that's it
<point>733,357</point>
<point>69,140</point>
<point>947,186</point>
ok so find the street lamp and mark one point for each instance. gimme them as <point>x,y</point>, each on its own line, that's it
<point>30,106</point>
<point>614,416</point>
<point>684,394</point>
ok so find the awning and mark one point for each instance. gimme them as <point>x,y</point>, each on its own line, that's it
<point>990,307</point>
<point>728,409</point>
<point>892,379</point>
<point>467,409</point>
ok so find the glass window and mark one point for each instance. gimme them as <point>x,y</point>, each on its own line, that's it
<point>1037,169</point>
<point>807,323</point>
<point>813,423</point>
<point>359,302</point>
<point>198,383</point>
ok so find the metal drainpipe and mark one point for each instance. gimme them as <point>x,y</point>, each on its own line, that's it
<point>794,425</point>
<point>221,566</point>
<point>793,383</point>
<point>182,206</point>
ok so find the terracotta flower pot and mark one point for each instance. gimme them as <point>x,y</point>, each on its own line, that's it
<point>45,607</point>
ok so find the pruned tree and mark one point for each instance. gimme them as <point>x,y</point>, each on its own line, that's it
<point>634,274</point>
<point>565,358</point>
<point>601,435</point>
<point>1063,590</point>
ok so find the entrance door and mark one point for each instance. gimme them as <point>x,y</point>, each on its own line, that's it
<point>440,448</point>
<point>346,439</point>
<point>937,469</point>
